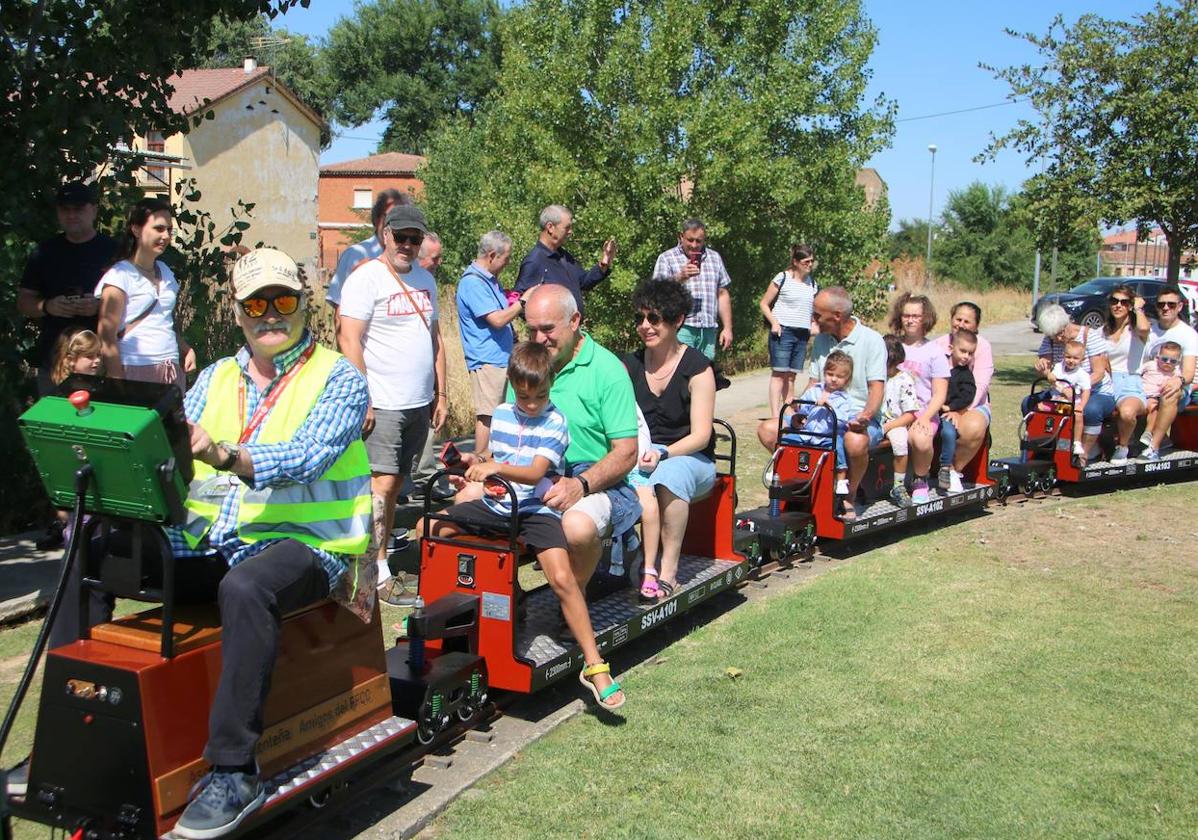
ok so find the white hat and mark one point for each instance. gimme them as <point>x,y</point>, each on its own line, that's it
<point>263,268</point>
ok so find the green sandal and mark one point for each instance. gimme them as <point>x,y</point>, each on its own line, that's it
<point>601,696</point>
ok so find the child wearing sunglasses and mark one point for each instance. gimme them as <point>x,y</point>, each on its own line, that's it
<point>1154,373</point>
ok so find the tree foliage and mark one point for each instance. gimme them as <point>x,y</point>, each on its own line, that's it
<point>296,61</point>
<point>1118,128</point>
<point>750,115</point>
<point>415,62</point>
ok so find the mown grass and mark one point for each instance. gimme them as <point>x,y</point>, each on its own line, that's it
<point>1028,673</point>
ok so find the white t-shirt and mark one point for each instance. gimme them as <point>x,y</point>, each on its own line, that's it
<point>397,346</point>
<point>1126,354</point>
<point>1078,379</point>
<point>795,301</point>
<point>351,258</point>
<point>1180,332</point>
<point>152,339</point>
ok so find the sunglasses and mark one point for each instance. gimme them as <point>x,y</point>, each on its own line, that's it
<point>407,238</point>
<point>285,304</point>
<point>1168,304</point>
<point>1118,301</point>
<point>654,318</point>
<point>1165,360</point>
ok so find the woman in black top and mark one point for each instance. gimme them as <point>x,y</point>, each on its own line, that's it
<point>675,392</point>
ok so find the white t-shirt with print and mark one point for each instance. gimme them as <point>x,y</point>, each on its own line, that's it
<point>397,346</point>
<point>152,339</point>
<point>1181,332</point>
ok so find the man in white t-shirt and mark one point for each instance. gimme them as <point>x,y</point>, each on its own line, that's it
<point>389,330</point>
<point>1176,392</point>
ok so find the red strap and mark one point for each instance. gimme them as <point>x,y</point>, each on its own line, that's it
<point>272,396</point>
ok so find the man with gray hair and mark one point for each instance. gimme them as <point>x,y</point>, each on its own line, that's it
<point>839,330</point>
<point>701,270</point>
<point>549,262</point>
<point>485,324</point>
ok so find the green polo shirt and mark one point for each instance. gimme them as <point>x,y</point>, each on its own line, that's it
<point>594,393</point>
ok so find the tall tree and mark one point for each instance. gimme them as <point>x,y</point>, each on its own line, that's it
<point>414,62</point>
<point>750,115</point>
<point>296,61</point>
<point>1118,128</point>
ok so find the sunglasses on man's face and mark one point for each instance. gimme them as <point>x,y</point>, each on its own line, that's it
<point>285,304</point>
<point>1168,304</point>
<point>654,318</point>
<point>407,238</point>
<point>1118,301</point>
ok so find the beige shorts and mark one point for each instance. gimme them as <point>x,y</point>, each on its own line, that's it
<point>487,385</point>
<point>597,506</point>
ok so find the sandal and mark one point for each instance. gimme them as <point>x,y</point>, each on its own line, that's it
<point>601,696</point>
<point>650,589</point>
<point>848,512</point>
<point>665,590</point>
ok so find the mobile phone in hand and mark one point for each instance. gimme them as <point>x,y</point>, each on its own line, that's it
<point>450,456</point>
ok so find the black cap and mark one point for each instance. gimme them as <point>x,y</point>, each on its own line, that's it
<point>75,193</point>
<point>405,216</point>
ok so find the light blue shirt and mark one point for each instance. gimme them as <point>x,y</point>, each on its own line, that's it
<point>351,258</point>
<point>868,352</point>
<point>479,294</point>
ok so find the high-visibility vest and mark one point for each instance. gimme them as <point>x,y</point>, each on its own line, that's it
<point>332,513</point>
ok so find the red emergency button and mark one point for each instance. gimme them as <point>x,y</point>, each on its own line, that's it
<point>82,402</point>
<point>88,718</point>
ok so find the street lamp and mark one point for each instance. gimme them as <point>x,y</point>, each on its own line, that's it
<point>931,193</point>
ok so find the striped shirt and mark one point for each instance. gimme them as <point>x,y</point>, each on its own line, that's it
<point>332,425</point>
<point>1096,345</point>
<point>516,439</point>
<point>704,286</point>
<point>796,300</point>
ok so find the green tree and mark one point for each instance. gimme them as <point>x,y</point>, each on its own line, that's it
<point>750,115</point>
<point>415,62</point>
<point>910,240</point>
<point>1118,107</point>
<point>296,61</point>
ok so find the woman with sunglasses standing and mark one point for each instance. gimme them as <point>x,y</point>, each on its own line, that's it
<point>1126,330</point>
<point>138,335</point>
<point>675,391</point>
<point>787,307</point>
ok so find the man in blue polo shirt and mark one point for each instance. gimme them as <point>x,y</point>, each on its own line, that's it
<point>549,262</point>
<point>485,324</point>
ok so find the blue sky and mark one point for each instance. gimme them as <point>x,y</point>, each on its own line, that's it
<point>926,60</point>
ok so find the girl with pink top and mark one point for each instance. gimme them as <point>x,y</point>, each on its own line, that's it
<point>971,424</point>
<point>911,318</point>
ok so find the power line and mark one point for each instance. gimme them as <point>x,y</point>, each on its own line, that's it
<point>961,111</point>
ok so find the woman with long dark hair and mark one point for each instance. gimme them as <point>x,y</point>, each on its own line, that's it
<point>137,329</point>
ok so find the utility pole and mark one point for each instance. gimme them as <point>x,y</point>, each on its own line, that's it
<point>927,269</point>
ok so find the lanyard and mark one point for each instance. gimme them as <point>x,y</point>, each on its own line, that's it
<point>272,395</point>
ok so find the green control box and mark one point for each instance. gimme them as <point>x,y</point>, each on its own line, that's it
<point>134,436</point>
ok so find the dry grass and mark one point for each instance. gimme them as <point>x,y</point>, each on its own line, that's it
<point>999,304</point>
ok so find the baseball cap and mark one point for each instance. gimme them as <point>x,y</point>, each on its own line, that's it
<point>404,216</point>
<point>262,268</point>
<point>75,193</point>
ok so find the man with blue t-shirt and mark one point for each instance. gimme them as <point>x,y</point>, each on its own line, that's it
<point>485,324</point>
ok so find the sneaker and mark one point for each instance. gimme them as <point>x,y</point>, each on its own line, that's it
<point>842,487</point>
<point>53,538</point>
<point>920,494</point>
<point>899,496</point>
<point>1146,439</point>
<point>954,482</point>
<point>18,778</point>
<point>1120,457</point>
<point>1150,454</point>
<point>394,591</point>
<point>944,476</point>
<point>223,800</point>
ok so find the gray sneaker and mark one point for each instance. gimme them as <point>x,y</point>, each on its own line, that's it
<point>220,802</point>
<point>943,477</point>
<point>899,496</point>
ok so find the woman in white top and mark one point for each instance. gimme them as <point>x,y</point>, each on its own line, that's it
<point>787,307</point>
<point>138,336</point>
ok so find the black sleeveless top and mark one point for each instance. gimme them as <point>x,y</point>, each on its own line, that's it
<point>668,415</point>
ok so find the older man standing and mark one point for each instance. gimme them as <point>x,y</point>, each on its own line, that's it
<point>840,330</point>
<point>485,324</point>
<point>389,331</point>
<point>549,262</point>
<point>701,270</point>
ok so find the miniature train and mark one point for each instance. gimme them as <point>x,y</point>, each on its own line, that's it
<point>122,716</point>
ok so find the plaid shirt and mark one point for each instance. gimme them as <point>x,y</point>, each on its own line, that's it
<point>704,286</point>
<point>332,425</point>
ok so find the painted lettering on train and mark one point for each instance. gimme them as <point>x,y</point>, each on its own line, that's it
<point>1158,467</point>
<point>554,670</point>
<point>930,507</point>
<point>660,614</point>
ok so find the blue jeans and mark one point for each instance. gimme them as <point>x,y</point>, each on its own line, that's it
<point>948,442</point>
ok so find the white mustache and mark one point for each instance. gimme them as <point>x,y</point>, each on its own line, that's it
<point>263,329</point>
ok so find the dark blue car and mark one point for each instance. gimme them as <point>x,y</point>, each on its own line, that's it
<point>1086,303</point>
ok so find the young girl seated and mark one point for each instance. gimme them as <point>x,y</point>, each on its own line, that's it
<point>831,412</point>
<point>1154,373</point>
<point>1070,382</point>
<point>899,409</point>
<point>76,351</point>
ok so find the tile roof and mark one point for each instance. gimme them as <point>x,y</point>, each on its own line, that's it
<point>192,87</point>
<point>388,163</point>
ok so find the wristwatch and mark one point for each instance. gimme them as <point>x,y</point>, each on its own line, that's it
<point>586,485</point>
<point>234,450</point>
<point>662,453</point>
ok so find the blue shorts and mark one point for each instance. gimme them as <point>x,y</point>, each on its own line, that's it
<point>1128,385</point>
<point>686,476</point>
<point>789,350</point>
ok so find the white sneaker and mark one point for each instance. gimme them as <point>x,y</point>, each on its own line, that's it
<point>1150,454</point>
<point>842,487</point>
<point>1120,457</point>
<point>1146,439</point>
<point>954,482</point>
